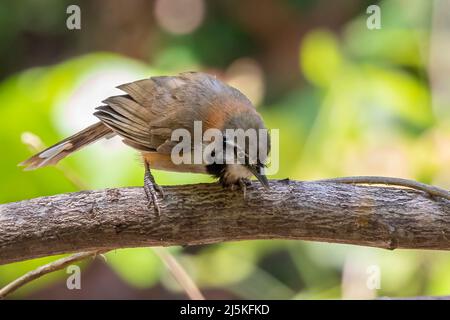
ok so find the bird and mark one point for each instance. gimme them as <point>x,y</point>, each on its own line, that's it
<point>148,112</point>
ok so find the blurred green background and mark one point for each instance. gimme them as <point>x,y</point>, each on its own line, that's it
<point>347,100</point>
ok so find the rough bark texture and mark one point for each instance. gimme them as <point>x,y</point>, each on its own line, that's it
<point>385,217</point>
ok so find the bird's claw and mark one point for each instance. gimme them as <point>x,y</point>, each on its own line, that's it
<point>151,188</point>
<point>150,192</point>
<point>160,190</point>
<point>244,183</point>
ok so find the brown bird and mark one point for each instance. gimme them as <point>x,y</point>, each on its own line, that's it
<point>151,109</point>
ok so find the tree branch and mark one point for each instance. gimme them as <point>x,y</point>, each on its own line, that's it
<point>43,270</point>
<point>385,217</point>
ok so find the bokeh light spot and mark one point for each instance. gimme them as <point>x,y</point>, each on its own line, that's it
<point>179,16</point>
<point>246,75</point>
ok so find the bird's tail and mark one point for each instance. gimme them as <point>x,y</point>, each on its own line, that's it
<point>62,149</point>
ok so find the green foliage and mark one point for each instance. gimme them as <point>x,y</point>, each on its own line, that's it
<point>139,266</point>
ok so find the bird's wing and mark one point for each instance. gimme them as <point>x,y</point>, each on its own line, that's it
<point>152,108</point>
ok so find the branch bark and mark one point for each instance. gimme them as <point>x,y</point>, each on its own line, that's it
<point>385,217</point>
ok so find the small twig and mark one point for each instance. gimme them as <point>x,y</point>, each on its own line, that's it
<point>43,270</point>
<point>179,274</point>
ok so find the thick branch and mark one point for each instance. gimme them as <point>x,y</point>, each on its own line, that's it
<point>385,217</point>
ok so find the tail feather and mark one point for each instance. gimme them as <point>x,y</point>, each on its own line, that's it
<point>62,149</point>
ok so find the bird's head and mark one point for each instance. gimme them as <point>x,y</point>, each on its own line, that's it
<point>247,146</point>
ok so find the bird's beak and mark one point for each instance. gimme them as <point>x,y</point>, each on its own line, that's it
<point>260,176</point>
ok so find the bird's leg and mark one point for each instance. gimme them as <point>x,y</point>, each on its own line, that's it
<point>151,187</point>
<point>244,183</point>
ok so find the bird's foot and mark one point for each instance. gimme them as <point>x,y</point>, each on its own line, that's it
<point>159,189</point>
<point>243,184</point>
<point>151,189</point>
